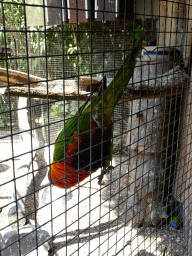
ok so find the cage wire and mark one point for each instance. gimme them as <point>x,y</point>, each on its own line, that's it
<point>53,56</point>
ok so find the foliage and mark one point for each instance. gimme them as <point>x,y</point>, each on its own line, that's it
<point>4,109</point>
<point>12,19</point>
<point>77,46</point>
<point>57,109</point>
<point>13,15</point>
<point>61,52</point>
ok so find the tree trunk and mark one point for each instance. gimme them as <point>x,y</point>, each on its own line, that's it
<point>22,168</point>
<point>183,180</point>
<point>182,154</point>
<point>147,139</point>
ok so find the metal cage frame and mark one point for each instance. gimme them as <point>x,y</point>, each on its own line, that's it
<point>55,56</point>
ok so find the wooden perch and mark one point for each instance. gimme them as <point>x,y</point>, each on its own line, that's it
<point>167,84</point>
<point>20,84</point>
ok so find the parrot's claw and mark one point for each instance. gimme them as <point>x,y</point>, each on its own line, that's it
<point>97,117</point>
<point>103,172</point>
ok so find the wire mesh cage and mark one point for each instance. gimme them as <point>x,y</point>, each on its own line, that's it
<point>95,127</point>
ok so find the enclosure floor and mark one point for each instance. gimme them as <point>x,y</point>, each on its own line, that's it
<point>90,223</point>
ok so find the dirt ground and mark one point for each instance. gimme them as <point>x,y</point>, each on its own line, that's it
<point>90,222</point>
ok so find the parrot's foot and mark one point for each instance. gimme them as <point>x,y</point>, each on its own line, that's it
<point>103,172</point>
<point>97,117</point>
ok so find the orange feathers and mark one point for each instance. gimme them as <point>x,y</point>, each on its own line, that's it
<point>70,177</point>
<point>66,179</point>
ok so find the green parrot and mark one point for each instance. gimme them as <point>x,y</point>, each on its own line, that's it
<point>84,145</point>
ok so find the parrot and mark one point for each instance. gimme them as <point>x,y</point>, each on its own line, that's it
<point>85,143</point>
<point>174,221</point>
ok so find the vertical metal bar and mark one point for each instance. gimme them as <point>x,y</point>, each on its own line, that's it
<point>30,118</point>
<point>48,115</point>
<point>103,125</point>
<point>78,123</point>
<point>11,122</point>
<point>91,67</point>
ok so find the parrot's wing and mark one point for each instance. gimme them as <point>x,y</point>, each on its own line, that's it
<point>66,134</point>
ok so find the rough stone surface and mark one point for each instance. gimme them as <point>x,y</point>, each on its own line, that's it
<point>14,214</point>
<point>29,237</point>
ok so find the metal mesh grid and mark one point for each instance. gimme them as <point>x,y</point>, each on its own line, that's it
<point>143,206</point>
